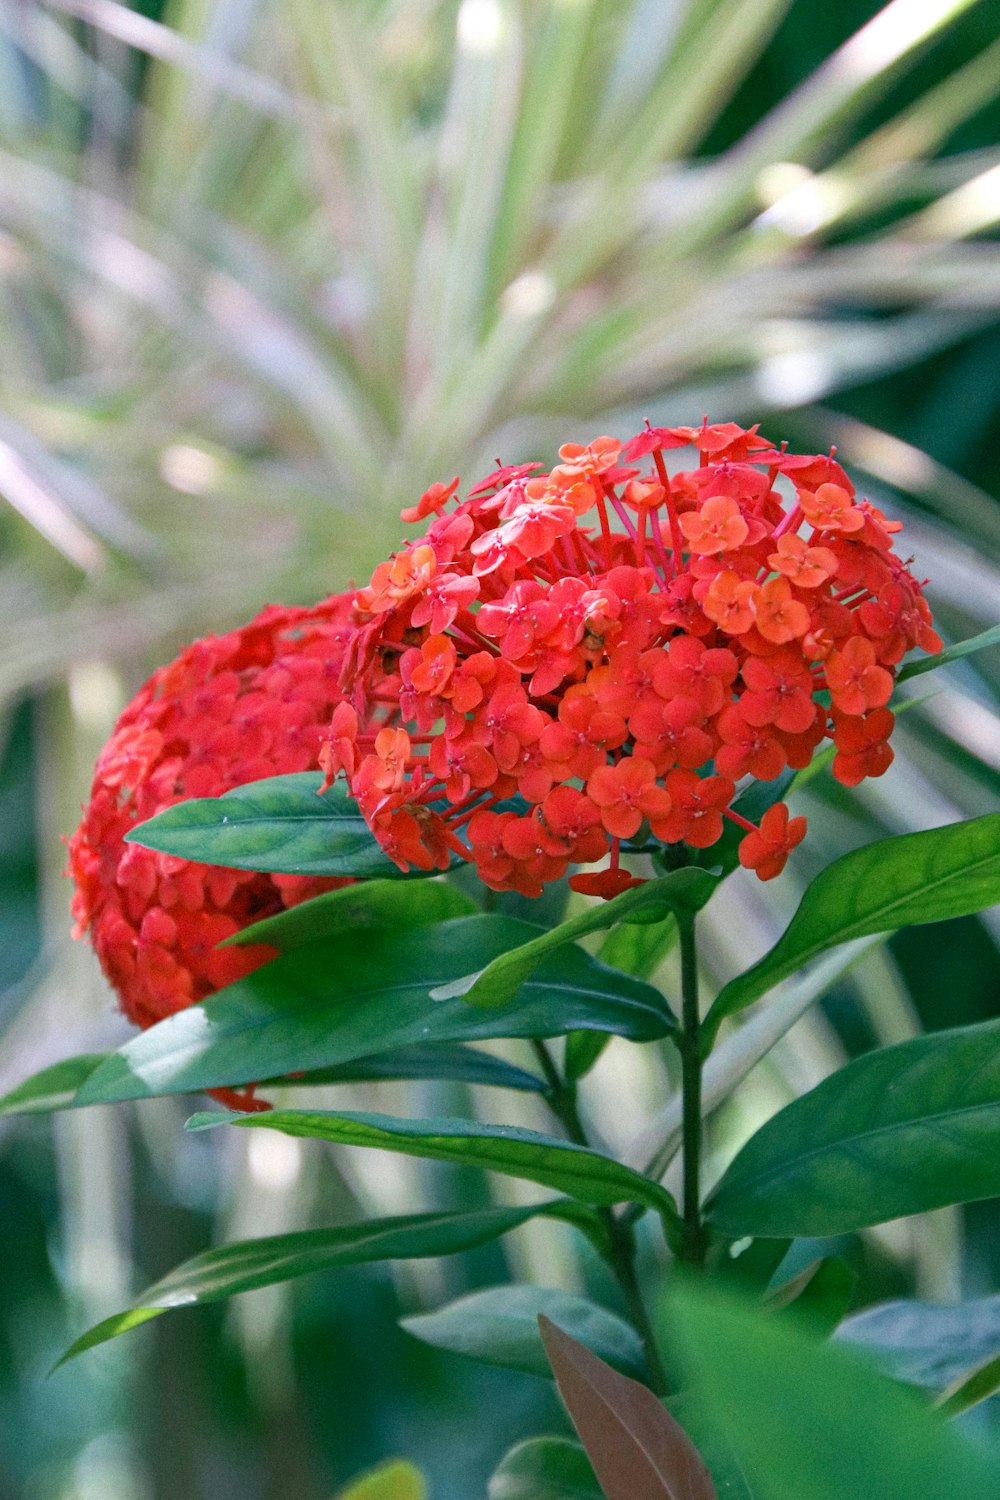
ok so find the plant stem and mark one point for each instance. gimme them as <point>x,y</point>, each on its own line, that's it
<point>620,1255</point>
<point>689,1044</point>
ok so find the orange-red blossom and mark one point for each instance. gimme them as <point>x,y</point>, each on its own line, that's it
<point>230,709</point>
<point>610,651</point>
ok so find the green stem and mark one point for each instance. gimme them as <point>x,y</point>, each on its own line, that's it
<point>689,1044</point>
<point>620,1256</point>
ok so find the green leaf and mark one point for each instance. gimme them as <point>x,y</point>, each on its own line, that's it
<point>922,1343</point>
<point>639,949</point>
<point>583,1048</point>
<point>435,1060</point>
<point>56,1087</point>
<point>635,1445</point>
<point>395,1480</point>
<point>978,1385</point>
<point>278,824</point>
<point>53,1088</point>
<point>898,1131</point>
<point>329,1003</point>
<point>546,1468</point>
<point>811,1419</point>
<point>895,882</point>
<point>575,1170</point>
<point>728,1474</point>
<point>821,1292</point>
<point>497,983</point>
<point>975,643</point>
<point>499,1326</point>
<point>241,1267</point>
<point>369,904</point>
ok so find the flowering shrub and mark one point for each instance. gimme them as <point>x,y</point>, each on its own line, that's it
<point>567,664</point>
<point>617,646</point>
<point>230,709</point>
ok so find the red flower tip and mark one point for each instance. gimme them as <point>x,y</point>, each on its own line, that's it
<point>766,849</point>
<point>604,883</point>
<point>431,501</point>
<point>244,1102</point>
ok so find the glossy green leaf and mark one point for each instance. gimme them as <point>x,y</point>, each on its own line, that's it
<point>53,1087</point>
<point>639,948</point>
<point>247,1264</point>
<point>895,882</point>
<point>980,642</point>
<point>328,1003</point>
<point>280,824</point>
<point>545,1468</point>
<point>898,1131</point>
<point>435,1060</point>
<point>971,1389</point>
<point>497,983</point>
<point>922,1343</point>
<point>583,1048</point>
<point>812,1419</point>
<point>56,1087</point>
<point>499,1326</point>
<point>395,1480</point>
<point>635,1445</point>
<point>369,904</point>
<point>575,1170</point>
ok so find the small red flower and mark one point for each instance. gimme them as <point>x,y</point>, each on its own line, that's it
<point>572,823</point>
<point>430,502</point>
<point>697,806</point>
<point>780,616</point>
<point>729,602</point>
<point>831,508</point>
<point>718,526</point>
<point>394,582</point>
<point>779,691</point>
<point>766,850</point>
<point>856,681</point>
<point>625,794</point>
<point>807,567</point>
<point>863,747</point>
<point>596,457</point>
<point>748,749</point>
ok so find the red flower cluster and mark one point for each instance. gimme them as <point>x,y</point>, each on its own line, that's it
<point>618,647</point>
<point>230,709</point>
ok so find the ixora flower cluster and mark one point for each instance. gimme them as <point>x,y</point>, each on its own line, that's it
<point>565,659</point>
<point>230,709</point>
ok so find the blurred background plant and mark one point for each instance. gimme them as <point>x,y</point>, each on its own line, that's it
<point>268,270</point>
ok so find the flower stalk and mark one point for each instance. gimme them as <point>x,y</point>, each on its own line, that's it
<point>693,1244</point>
<point>620,1236</point>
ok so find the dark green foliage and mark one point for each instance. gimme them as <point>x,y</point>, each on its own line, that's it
<point>898,1131</point>
<point>328,1003</point>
